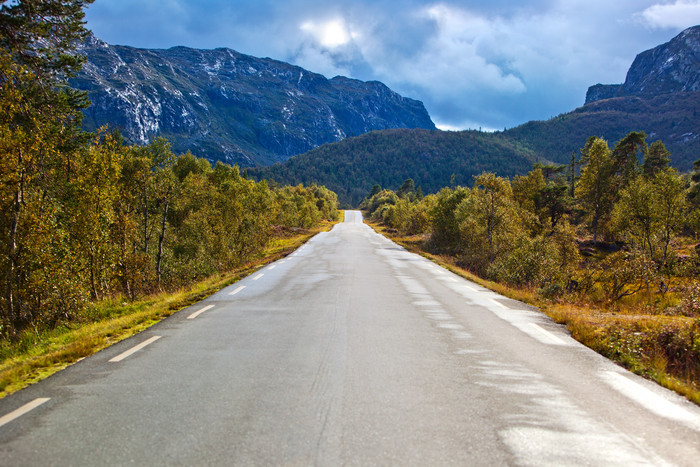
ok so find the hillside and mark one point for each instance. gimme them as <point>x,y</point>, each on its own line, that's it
<point>671,118</point>
<point>352,166</point>
<point>227,106</point>
<point>660,96</point>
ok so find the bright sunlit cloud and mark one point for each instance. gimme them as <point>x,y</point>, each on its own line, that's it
<point>472,63</point>
<point>330,34</point>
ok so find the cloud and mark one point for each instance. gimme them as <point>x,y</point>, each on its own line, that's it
<point>472,63</point>
<point>320,60</point>
<point>681,14</point>
<point>330,34</point>
<point>452,57</point>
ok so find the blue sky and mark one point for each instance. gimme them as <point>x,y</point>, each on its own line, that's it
<point>474,64</point>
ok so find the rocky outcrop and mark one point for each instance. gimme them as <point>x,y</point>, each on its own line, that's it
<point>227,106</point>
<point>599,92</point>
<point>668,68</point>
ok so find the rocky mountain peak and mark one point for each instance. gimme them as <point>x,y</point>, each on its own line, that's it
<point>670,67</point>
<point>224,105</point>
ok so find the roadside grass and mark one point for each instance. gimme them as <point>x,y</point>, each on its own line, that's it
<point>37,354</point>
<point>636,332</point>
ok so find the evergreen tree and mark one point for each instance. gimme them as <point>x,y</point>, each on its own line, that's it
<point>595,189</point>
<point>625,156</point>
<point>656,159</point>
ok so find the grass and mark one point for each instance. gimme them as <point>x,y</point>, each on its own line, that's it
<point>39,354</point>
<point>632,332</point>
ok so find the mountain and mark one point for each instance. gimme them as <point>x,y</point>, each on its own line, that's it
<point>433,159</point>
<point>660,96</point>
<point>671,118</point>
<point>669,68</point>
<point>227,106</point>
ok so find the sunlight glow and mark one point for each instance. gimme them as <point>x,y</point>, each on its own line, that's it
<point>330,34</point>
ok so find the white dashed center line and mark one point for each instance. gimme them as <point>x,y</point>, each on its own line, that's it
<point>235,291</point>
<point>197,313</point>
<point>135,349</point>
<point>258,276</point>
<point>15,414</point>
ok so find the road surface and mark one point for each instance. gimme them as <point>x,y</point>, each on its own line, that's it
<point>351,351</point>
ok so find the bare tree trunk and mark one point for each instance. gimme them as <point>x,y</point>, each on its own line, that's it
<point>145,219</point>
<point>160,241</point>
<point>12,311</point>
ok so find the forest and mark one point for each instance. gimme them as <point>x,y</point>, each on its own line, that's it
<point>86,217</point>
<point>433,159</point>
<point>613,232</point>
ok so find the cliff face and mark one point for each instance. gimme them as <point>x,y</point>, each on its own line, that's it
<point>668,68</point>
<point>227,106</point>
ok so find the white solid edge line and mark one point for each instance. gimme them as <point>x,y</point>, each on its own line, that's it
<point>28,407</point>
<point>258,276</point>
<point>650,400</point>
<point>197,313</point>
<point>135,349</point>
<point>546,335</point>
<point>237,290</point>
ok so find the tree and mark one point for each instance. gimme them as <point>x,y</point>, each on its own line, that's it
<point>694,192</point>
<point>656,159</point>
<point>487,216</point>
<point>595,189</point>
<point>669,188</point>
<point>375,189</point>
<point>572,174</point>
<point>90,204</point>
<point>526,193</point>
<point>650,212</point>
<point>553,200</point>
<point>407,189</point>
<point>550,171</point>
<point>39,129</point>
<point>636,215</point>
<point>446,230</point>
<point>626,154</point>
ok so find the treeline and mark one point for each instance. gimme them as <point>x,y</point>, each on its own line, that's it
<point>433,159</point>
<point>609,242</point>
<point>84,216</point>
<point>672,117</point>
<point>615,229</point>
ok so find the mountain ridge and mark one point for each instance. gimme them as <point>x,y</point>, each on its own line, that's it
<point>667,68</point>
<point>669,116</point>
<point>224,105</point>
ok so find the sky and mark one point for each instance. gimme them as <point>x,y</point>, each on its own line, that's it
<point>474,64</point>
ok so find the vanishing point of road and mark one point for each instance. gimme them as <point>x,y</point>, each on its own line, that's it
<point>350,351</point>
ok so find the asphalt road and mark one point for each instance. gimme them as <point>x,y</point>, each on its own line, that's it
<point>351,351</point>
